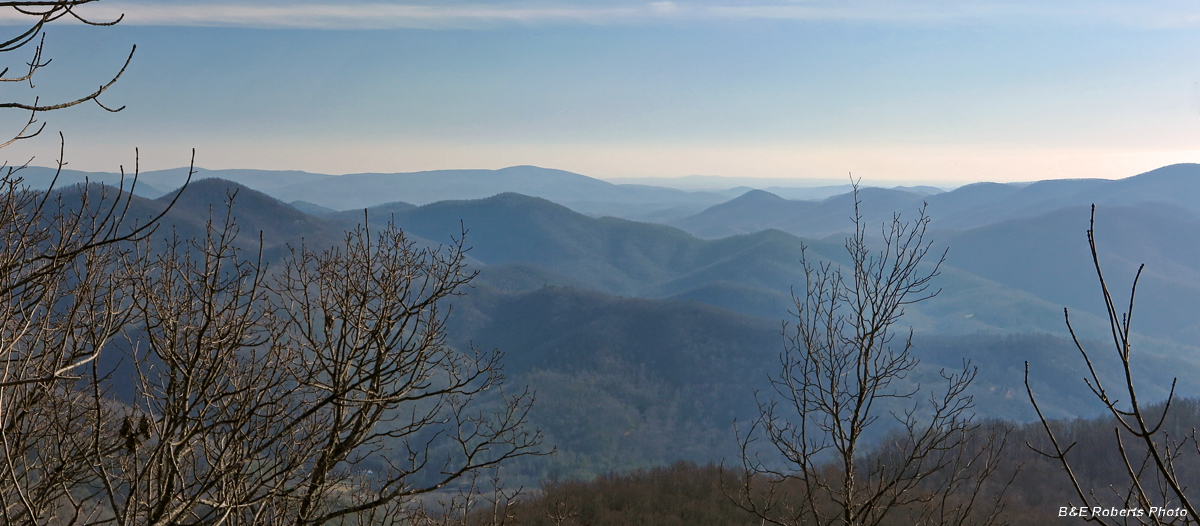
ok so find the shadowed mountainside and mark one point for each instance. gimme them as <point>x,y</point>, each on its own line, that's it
<point>1048,255</point>
<point>752,273</point>
<point>637,381</point>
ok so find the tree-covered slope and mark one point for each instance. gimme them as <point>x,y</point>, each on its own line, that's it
<point>1048,256</point>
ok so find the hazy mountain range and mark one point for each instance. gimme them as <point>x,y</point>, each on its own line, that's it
<point>320,194</point>
<point>647,340</point>
<point>966,207</point>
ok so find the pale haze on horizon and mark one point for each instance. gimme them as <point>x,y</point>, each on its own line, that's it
<point>906,92</point>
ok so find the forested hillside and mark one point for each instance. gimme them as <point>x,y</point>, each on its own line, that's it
<point>469,344</point>
<point>686,493</point>
<point>645,343</point>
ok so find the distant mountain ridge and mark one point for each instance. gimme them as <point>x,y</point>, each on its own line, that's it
<point>357,191</point>
<point>751,273</point>
<point>991,285</point>
<point>966,207</point>
<point>632,331</point>
<point>760,210</point>
<point>1048,255</point>
<point>318,192</point>
<point>1177,184</point>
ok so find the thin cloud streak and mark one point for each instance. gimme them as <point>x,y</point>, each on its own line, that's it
<point>355,16</point>
<point>386,16</point>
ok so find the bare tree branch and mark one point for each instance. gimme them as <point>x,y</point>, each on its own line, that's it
<point>842,361</point>
<point>42,13</point>
<point>1157,451</point>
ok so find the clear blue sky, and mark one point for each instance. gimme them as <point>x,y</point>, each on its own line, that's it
<point>903,91</point>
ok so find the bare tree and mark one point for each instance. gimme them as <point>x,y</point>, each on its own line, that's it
<point>1153,458</point>
<point>370,320</point>
<point>843,368</point>
<point>64,294</point>
<point>40,14</point>
<point>324,393</point>
<point>481,501</point>
<point>63,298</point>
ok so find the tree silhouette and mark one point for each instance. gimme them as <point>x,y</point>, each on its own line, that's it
<point>841,365</point>
<point>40,14</point>
<point>1153,457</point>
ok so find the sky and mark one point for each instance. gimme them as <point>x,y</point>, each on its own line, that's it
<point>942,92</point>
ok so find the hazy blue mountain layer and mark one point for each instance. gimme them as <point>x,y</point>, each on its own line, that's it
<point>759,210</point>
<point>752,273</point>
<point>1048,255</point>
<point>627,382</point>
<point>966,207</point>
<point>645,342</point>
<point>1009,276</point>
<point>357,191</point>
